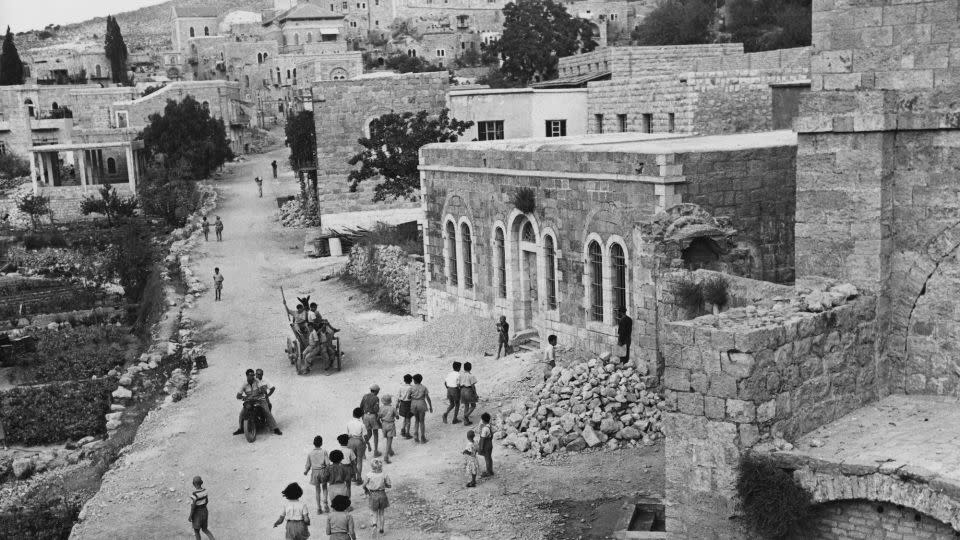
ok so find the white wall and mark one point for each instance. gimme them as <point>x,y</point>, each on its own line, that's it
<point>523,111</point>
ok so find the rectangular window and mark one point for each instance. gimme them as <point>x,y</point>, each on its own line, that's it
<point>619,262</point>
<point>122,119</point>
<point>598,123</point>
<point>376,23</point>
<point>672,120</point>
<point>556,128</point>
<point>344,5</point>
<point>490,130</point>
<point>550,255</point>
<point>648,123</point>
<point>441,53</point>
<point>331,7</point>
<point>3,148</point>
<point>622,122</point>
<point>463,46</point>
<point>353,24</point>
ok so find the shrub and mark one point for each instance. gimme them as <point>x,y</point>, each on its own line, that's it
<point>56,301</point>
<point>14,166</point>
<point>79,353</point>
<point>109,204</point>
<point>689,294</point>
<point>166,196</point>
<point>524,200</point>
<point>773,504</point>
<point>131,262</point>
<point>34,206</point>
<point>405,236</point>
<point>716,291</point>
<point>56,412</point>
<point>382,272</point>
<point>43,523</point>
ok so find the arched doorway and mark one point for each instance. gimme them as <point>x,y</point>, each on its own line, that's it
<point>29,104</point>
<point>526,283</point>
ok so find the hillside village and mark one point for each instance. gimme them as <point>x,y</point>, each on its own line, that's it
<point>696,291</point>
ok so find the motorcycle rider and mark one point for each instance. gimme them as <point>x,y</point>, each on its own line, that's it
<point>255,391</point>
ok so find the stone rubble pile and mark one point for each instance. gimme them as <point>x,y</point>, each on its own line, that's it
<point>292,214</point>
<point>586,405</point>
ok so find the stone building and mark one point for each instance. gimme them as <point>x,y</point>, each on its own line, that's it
<point>516,113</point>
<point>865,390</point>
<point>598,240</point>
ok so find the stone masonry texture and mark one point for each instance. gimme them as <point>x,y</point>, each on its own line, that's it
<point>858,519</point>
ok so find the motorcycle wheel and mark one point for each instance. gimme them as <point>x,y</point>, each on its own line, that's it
<point>250,430</point>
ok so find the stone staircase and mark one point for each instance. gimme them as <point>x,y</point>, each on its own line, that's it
<point>526,341</point>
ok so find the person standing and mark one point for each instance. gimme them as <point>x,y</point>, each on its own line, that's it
<point>217,283</point>
<point>388,423</point>
<point>339,475</point>
<point>273,165</point>
<point>317,469</point>
<point>340,522</point>
<point>198,509</point>
<point>452,382</point>
<point>218,227</point>
<point>486,444</point>
<point>403,403</point>
<point>370,405</point>
<point>470,464</point>
<point>295,513</point>
<point>259,182</point>
<point>358,443</point>
<point>624,334</point>
<point>348,458</point>
<point>549,356</point>
<point>419,405</point>
<point>503,336</point>
<point>205,227</point>
<point>268,388</point>
<point>468,393</point>
<point>375,486</point>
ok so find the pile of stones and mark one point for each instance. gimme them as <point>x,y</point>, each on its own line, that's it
<point>586,405</point>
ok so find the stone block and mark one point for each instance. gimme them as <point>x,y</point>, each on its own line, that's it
<point>677,379</point>
<point>767,411</point>
<point>737,364</point>
<point>723,385</point>
<point>690,403</point>
<point>749,435</point>
<point>740,411</point>
<point>714,408</point>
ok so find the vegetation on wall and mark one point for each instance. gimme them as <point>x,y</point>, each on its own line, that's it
<point>677,22</point>
<point>524,200</point>
<point>773,504</point>
<point>187,139</point>
<point>11,67</point>
<point>716,291</point>
<point>688,294</point>
<point>109,204</point>
<point>392,151</point>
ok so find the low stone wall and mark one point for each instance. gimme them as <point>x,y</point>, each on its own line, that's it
<point>863,519</point>
<point>753,374</point>
<point>416,271</point>
<point>385,267</point>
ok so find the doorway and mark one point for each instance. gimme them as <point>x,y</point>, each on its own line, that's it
<point>528,290</point>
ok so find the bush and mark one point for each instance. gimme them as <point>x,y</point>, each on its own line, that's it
<point>166,196</point>
<point>773,504</point>
<point>689,294</point>
<point>58,301</point>
<point>14,166</point>
<point>716,291</point>
<point>382,272</point>
<point>62,112</point>
<point>89,264</point>
<point>35,206</point>
<point>405,236</point>
<point>46,523</point>
<point>524,200</point>
<point>56,412</point>
<point>79,353</point>
<point>109,204</point>
<point>131,262</point>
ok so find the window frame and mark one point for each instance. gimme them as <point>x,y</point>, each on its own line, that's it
<point>556,128</point>
<point>622,123</point>
<point>465,242</point>
<point>450,244</point>
<point>550,269</point>
<point>618,276</point>
<point>598,122</point>
<point>594,259</point>
<point>486,127</point>
<point>500,258</point>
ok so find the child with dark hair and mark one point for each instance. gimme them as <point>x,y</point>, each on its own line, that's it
<point>317,468</point>
<point>358,442</point>
<point>470,464</point>
<point>339,522</point>
<point>198,509</point>
<point>348,456</point>
<point>468,393</point>
<point>295,513</point>
<point>375,486</point>
<point>486,444</point>
<point>419,405</point>
<point>388,423</point>
<point>503,336</point>
<point>338,476</point>
<point>403,404</point>
<point>452,382</point>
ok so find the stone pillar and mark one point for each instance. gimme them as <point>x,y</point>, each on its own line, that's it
<point>131,170</point>
<point>82,167</point>
<point>33,172</point>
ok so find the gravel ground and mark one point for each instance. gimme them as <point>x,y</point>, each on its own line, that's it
<point>455,334</point>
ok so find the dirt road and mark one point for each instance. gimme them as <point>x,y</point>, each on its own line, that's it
<point>146,495</point>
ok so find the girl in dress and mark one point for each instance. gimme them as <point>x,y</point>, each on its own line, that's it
<point>470,464</point>
<point>338,476</point>
<point>198,509</point>
<point>376,488</point>
<point>295,513</point>
<point>317,468</point>
<point>339,522</point>
<point>468,393</point>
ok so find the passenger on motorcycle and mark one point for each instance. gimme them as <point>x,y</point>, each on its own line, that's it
<point>253,390</point>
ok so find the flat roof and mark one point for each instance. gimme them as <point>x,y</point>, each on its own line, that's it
<point>501,91</point>
<point>637,143</point>
<point>86,146</point>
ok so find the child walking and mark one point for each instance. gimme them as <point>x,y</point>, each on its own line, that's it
<point>217,283</point>
<point>388,415</point>
<point>338,476</point>
<point>339,522</point>
<point>403,402</point>
<point>198,509</point>
<point>486,444</point>
<point>376,489</point>
<point>503,336</point>
<point>205,227</point>
<point>295,513</point>
<point>218,226</point>
<point>317,467</point>
<point>470,464</point>
<point>468,393</point>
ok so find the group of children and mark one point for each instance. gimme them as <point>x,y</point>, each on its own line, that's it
<point>217,227</point>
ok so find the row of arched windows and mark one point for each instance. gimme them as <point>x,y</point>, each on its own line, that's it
<point>206,31</point>
<point>261,57</point>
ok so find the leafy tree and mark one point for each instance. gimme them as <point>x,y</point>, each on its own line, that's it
<point>109,204</point>
<point>131,260</point>
<point>13,166</point>
<point>536,33</point>
<point>469,58</point>
<point>302,140</point>
<point>34,206</point>
<point>186,134</point>
<point>11,67</point>
<point>116,50</point>
<point>497,79</point>
<point>392,151</point>
<point>409,64</point>
<point>163,194</point>
<point>677,22</point>
<point>763,25</point>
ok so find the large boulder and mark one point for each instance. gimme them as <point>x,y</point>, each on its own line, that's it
<point>590,436</point>
<point>22,468</point>
<point>576,445</point>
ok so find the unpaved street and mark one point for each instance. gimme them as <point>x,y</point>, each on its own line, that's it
<point>146,495</point>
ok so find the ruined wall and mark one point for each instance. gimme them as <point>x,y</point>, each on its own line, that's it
<point>626,62</point>
<point>732,385</point>
<point>857,519</point>
<point>342,111</point>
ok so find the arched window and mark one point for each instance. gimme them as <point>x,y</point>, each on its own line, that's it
<point>246,81</point>
<point>618,265</point>
<point>500,256</point>
<point>111,166</point>
<point>294,73</point>
<point>206,105</point>
<point>29,104</point>
<point>192,33</point>
<point>451,253</point>
<point>309,37</point>
<point>550,254</point>
<point>288,74</point>
<point>595,269</point>
<point>278,76</point>
<point>206,31</point>
<point>338,74</point>
<point>54,106</point>
<point>467,245</point>
<point>96,69</point>
<point>264,57</point>
<point>296,39</point>
<point>527,234</point>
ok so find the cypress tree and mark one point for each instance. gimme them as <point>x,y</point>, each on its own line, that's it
<point>116,50</point>
<point>11,67</point>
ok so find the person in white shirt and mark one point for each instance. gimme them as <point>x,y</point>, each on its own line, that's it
<point>452,382</point>
<point>358,442</point>
<point>549,356</point>
<point>269,388</point>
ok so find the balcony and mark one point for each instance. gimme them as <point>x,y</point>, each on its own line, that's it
<point>44,140</point>
<point>52,120</point>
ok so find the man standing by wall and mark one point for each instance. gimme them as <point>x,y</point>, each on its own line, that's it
<point>624,333</point>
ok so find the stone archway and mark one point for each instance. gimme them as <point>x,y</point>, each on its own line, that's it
<point>852,519</point>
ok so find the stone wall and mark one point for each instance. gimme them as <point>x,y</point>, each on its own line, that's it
<point>733,381</point>
<point>848,520</point>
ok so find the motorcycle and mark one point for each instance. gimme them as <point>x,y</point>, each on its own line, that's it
<point>253,419</point>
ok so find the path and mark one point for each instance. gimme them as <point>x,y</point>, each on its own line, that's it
<point>146,495</point>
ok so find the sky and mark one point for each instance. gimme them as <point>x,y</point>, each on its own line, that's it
<point>23,15</point>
